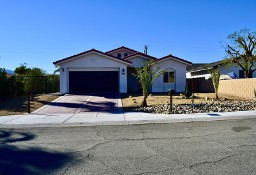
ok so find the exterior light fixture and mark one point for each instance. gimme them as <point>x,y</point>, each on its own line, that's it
<point>123,71</point>
<point>62,69</point>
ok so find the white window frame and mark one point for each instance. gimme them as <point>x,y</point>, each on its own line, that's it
<point>168,70</point>
<point>119,54</point>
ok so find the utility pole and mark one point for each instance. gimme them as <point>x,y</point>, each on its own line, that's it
<point>145,49</point>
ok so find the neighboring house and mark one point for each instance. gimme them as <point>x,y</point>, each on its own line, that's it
<point>227,71</point>
<point>199,80</point>
<point>112,71</point>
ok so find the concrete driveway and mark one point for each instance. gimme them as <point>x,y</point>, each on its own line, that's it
<point>76,104</point>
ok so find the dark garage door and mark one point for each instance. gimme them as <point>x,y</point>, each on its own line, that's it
<point>93,81</point>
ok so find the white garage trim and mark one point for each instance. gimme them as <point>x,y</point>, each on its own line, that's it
<point>93,68</point>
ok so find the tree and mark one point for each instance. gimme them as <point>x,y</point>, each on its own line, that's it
<point>57,69</point>
<point>4,84</point>
<point>241,50</point>
<point>25,71</point>
<point>146,76</point>
<point>22,69</point>
<point>31,80</point>
<point>215,77</point>
<point>2,72</point>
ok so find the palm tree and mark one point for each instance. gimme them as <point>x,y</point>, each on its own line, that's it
<point>146,76</point>
<point>57,69</point>
<point>215,76</point>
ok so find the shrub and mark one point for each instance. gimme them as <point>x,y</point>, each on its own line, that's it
<point>4,84</point>
<point>188,92</point>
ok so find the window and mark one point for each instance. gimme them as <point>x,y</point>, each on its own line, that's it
<point>119,55</point>
<point>241,74</point>
<point>169,77</point>
<point>125,54</point>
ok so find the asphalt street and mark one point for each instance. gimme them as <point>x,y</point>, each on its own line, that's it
<point>216,147</point>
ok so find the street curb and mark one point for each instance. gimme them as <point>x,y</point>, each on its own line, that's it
<point>132,122</point>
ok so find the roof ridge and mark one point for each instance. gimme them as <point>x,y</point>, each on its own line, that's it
<point>170,55</point>
<point>215,63</point>
<point>142,54</point>
<point>91,50</point>
<point>122,47</point>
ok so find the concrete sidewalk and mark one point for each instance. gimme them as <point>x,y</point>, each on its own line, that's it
<point>118,118</point>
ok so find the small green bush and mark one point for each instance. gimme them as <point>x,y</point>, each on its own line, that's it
<point>188,92</point>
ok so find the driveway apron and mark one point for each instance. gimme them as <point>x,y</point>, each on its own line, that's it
<point>75,104</point>
<point>101,103</point>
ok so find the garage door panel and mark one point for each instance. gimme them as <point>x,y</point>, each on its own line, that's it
<point>93,81</point>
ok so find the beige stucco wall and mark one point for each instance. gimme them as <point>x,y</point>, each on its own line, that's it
<point>137,61</point>
<point>245,88</point>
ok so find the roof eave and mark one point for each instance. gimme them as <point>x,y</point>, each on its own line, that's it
<point>119,48</point>
<point>57,63</point>
<point>177,59</point>
<point>139,54</point>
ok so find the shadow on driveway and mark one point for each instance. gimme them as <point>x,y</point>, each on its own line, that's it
<point>100,107</point>
<point>83,103</point>
<point>27,160</point>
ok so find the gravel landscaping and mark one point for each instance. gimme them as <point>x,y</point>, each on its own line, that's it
<point>215,106</point>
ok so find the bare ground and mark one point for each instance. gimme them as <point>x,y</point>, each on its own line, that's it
<point>18,105</point>
<point>135,100</point>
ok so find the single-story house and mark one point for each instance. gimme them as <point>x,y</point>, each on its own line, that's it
<point>199,80</point>
<point>232,71</point>
<point>112,71</point>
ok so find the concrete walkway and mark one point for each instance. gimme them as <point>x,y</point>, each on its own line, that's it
<point>117,118</point>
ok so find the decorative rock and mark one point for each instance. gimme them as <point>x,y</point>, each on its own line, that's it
<point>218,106</point>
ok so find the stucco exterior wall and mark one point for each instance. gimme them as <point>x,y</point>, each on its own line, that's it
<point>180,77</point>
<point>245,87</point>
<point>137,61</point>
<point>93,62</point>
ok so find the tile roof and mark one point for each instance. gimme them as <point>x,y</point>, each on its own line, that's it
<point>140,54</point>
<point>177,58</point>
<point>125,59</point>
<point>202,67</point>
<point>122,47</point>
<point>88,51</point>
<point>194,66</point>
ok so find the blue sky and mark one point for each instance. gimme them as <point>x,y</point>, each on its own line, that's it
<point>40,32</point>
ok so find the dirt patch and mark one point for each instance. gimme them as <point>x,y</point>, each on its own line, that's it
<point>240,129</point>
<point>18,105</point>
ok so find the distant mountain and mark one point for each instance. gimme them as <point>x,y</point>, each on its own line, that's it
<point>10,72</point>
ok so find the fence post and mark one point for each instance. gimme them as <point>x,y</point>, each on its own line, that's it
<point>28,103</point>
<point>192,95</point>
<point>170,93</point>
<point>46,84</point>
